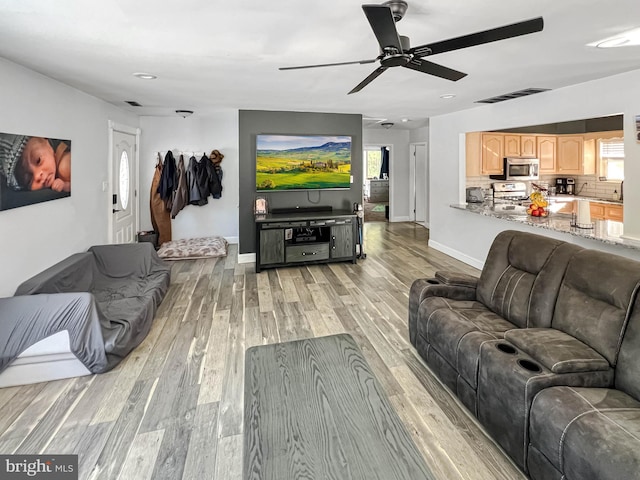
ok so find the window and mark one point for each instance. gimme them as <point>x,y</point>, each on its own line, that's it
<point>611,155</point>
<point>124,180</point>
<point>374,162</point>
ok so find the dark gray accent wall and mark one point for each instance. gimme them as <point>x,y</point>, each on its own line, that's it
<point>255,122</point>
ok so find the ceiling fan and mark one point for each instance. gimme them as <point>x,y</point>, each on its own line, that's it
<point>396,50</point>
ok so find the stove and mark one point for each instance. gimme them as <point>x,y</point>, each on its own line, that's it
<point>509,191</point>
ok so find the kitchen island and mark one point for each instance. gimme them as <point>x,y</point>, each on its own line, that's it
<point>606,231</point>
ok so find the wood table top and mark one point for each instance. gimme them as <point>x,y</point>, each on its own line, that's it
<point>313,409</point>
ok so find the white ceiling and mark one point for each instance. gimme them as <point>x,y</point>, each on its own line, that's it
<point>210,54</point>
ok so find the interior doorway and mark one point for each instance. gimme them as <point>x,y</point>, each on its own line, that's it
<point>419,188</point>
<point>123,183</point>
<point>376,186</point>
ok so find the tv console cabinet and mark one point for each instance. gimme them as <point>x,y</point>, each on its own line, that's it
<point>284,239</point>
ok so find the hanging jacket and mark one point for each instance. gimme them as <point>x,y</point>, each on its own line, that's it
<point>160,218</point>
<point>181,198</point>
<point>197,194</point>
<point>215,179</point>
<point>169,180</point>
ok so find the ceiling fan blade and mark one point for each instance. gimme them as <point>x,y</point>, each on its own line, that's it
<point>360,62</point>
<point>375,74</point>
<point>383,25</point>
<point>479,38</point>
<point>431,68</point>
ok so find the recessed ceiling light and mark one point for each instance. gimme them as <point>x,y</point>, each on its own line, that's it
<point>145,76</point>
<point>624,39</point>
<point>447,96</point>
<point>405,120</point>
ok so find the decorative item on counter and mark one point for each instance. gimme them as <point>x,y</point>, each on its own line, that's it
<point>539,203</point>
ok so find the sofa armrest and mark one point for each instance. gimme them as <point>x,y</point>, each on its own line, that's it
<point>456,279</point>
<point>432,287</point>
<point>557,351</point>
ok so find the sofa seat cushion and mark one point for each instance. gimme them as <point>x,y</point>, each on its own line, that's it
<point>457,329</point>
<point>557,351</point>
<point>587,432</point>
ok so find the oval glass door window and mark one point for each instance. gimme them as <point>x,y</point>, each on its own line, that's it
<point>124,180</point>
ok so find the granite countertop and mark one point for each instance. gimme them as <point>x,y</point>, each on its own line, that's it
<point>570,198</point>
<point>607,231</point>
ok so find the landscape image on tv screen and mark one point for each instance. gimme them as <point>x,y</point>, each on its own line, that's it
<point>302,162</point>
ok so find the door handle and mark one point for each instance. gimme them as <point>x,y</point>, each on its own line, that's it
<point>115,211</point>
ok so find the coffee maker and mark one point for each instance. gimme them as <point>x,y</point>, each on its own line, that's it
<point>566,185</point>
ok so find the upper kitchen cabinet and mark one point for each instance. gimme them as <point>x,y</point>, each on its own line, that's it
<point>484,153</point>
<point>569,160</point>
<point>492,153</point>
<point>512,145</point>
<point>528,147</point>
<point>474,154</point>
<point>546,147</point>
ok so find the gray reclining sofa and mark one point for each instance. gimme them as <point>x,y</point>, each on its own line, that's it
<point>544,349</point>
<point>105,298</point>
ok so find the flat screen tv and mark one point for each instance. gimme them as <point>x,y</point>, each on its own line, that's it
<point>302,162</point>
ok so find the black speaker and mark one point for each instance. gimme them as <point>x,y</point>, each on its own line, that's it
<point>312,208</point>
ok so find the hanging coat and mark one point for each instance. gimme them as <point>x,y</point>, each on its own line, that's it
<point>215,179</point>
<point>160,218</point>
<point>181,198</point>
<point>195,184</point>
<point>169,180</point>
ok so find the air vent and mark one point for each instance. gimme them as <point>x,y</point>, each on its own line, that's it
<point>511,96</point>
<point>133,103</point>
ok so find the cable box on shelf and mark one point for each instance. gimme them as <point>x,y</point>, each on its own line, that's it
<point>313,208</point>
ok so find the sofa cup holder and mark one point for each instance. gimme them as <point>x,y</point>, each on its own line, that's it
<point>529,365</point>
<point>506,348</point>
<point>433,281</point>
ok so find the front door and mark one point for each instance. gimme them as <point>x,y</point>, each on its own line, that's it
<point>123,187</point>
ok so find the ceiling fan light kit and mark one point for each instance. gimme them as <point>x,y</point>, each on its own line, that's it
<point>396,49</point>
<point>387,125</point>
<point>184,113</point>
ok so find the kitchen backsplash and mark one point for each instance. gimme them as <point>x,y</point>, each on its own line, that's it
<point>586,185</point>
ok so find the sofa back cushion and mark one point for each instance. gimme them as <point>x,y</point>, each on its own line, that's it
<point>73,274</point>
<point>522,275</point>
<point>594,300</point>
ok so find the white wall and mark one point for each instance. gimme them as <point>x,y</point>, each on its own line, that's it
<point>398,168</point>
<point>468,236</point>
<point>37,236</point>
<point>203,134</point>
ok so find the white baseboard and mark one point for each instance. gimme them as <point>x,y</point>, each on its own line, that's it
<point>246,258</point>
<point>456,254</point>
<point>400,219</point>
<point>635,241</point>
<point>234,240</point>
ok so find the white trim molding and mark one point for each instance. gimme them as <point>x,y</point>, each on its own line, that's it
<point>456,254</point>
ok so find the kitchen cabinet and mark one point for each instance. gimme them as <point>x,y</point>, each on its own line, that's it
<point>589,157</point>
<point>473,150</point>
<point>613,212</point>
<point>569,159</point>
<point>528,147</point>
<point>512,145</point>
<point>546,147</point>
<point>606,211</point>
<point>492,153</point>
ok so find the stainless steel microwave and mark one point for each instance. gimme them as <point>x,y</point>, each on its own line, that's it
<point>519,169</point>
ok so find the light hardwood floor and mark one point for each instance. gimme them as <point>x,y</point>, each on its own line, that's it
<point>173,408</point>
